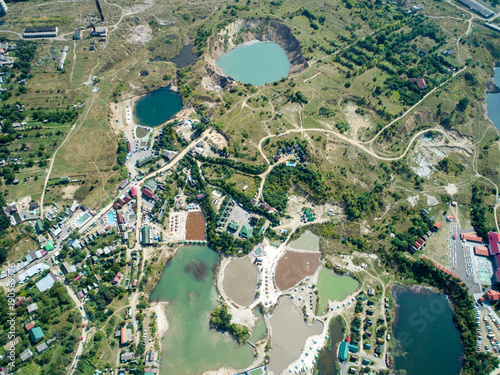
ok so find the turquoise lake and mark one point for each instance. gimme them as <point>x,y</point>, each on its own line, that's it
<point>157,107</point>
<point>493,102</point>
<point>190,347</point>
<point>429,343</point>
<point>258,63</point>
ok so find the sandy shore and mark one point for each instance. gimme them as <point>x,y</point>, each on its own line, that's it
<point>161,317</point>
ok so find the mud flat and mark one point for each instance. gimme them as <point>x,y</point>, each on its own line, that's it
<point>307,241</point>
<point>195,227</point>
<point>289,334</point>
<point>293,267</point>
<point>240,281</point>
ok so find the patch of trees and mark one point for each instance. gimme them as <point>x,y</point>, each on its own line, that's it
<point>121,152</point>
<point>342,126</point>
<point>423,272</point>
<point>282,178</point>
<point>298,97</point>
<point>403,241</point>
<point>56,116</point>
<point>357,207</point>
<point>478,211</point>
<point>449,166</point>
<point>220,319</point>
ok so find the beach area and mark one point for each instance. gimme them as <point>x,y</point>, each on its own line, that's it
<point>162,325</point>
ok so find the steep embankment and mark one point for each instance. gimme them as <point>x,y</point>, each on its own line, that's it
<point>245,30</point>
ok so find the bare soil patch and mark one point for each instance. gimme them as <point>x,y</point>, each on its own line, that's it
<point>195,227</point>
<point>293,267</point>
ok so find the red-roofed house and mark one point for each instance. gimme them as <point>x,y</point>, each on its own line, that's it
<point>437,225</point>
<point>80,294</point>
<point>493,295</point>
<point>77,277</point>
<point>133,191</point>
<point>421,241</point>
<point>28,326</point>
<point>120,218</point>
<point>119,274</point>
<point>471,237</point>
<point>420,82</point>
<point>116,205</point>
<point>493,239</point>
<point>148,193</point>
<point>481,250</point>
<point>449,218</point>
<point>123,336</point>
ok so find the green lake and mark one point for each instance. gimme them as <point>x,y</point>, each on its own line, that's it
<point>157,107</point>
<point>260,329</point>
<point>190,347</point>
<point>327,363</point>
<point>333,287</point>
<point>428,341</point>
<point>255,62</point>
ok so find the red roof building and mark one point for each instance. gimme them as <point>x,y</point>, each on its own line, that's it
<point>493,295</point>
<point>449,218</point>
<point>80,294</point>
<point>28,326</point>
<point>77,277</point>
<point>119,274</point>
<point>417,245</point>
<point>119,217</point>
<point>481,250</point>
<point>123,336</point>
<point>471,237</point>
<point>134,284</point>
<point>421,241</point>
<point>493,239</point>
<point>127,198</point>
<point>437,225</point>
<point>133,191</point>
<point>148,193</point>
<point>116,206</point>
<point>420,82</point>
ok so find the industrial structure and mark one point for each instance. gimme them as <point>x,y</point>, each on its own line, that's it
<point>40,32</point>
<point>99,9</point>
<point>63,58</point>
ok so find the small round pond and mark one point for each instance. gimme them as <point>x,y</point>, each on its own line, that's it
<point>255,62</point>
<point>157,107</point>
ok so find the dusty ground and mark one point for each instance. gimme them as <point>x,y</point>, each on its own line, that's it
<point>140,34</point>
<point>356,121</point>
<point>69,190</point>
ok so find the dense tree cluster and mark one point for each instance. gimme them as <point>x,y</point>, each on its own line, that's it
<point>478,211</point>
<point>220,319</point>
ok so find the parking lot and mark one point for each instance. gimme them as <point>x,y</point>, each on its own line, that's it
<point>488,330</point>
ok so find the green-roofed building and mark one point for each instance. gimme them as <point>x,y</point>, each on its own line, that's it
<point>233,226</point>
<point>150,184</point>
<point>63,180</point>
<point>39,226</point>
<point>306,211</point>
<point>49,246</point>
<point>310,219</point>
<point>36,334</point>
<point>246,232</point>
<point>146,237</point>
<point>344,351</point>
